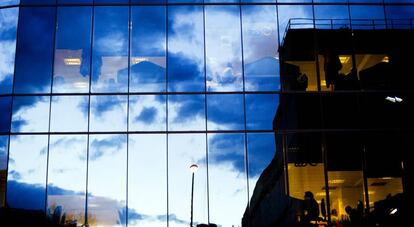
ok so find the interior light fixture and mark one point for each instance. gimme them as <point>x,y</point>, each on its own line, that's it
<point>344,59</point>
<point>72,61</point>
<point>393,211</point>
<point>385,59</point>
<point>336,181</point>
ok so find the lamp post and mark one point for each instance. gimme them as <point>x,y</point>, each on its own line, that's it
<point>193,169</point>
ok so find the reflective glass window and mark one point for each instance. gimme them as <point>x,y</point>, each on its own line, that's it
<point>261,148</point>
<point>69,114</point>
<point>5,107</point>
<point>147,180</point>
<point>148,49</point>
<point>67,178</point>
<point>345,177</point>
<point>225,112</point>
<point>108,113</point>
<point>289,18</point>
<point>305,170</point>
<point>37,2</point>
<point>261,62</point>
<point>110,1</point>
<point>259,1</point>
<point>149,2</point>
<point>384,153</point>
<point>147,113</point>
<point>260,111</point>
<point>8,27</point>
<point>399,16</point>
<point>107,180</point>
<point>340,110</point>
<point>185,1</point>
<point>74,1</point>
<point>9,2</point>
<point>223,48</point>
<point>30,114</point>
<point>26,180</point>
<point>185,49</point>
<point>367,17</point>
<point>183,151</point>
<point>34,56</point>
<point>331,17</point>
<point>72,50</point>
<point>110,49</point>
<point>4,149</point>
<point>227,178</point>
<point>186,112</point>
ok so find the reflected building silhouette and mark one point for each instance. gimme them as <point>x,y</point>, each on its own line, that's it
<point>337,137</point>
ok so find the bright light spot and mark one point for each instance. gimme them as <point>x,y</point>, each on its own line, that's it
<point>72,61</point>
<point>80,84</point>
<point>385,59</point>
<point>393,211</point>
<point>138,60</point>
<point>344,59</point>
<point>398,99</point>
<point>391,99</point>
<point>336,181</point>
<point>193,168</point>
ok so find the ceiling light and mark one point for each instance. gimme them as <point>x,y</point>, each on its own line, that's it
<point>72,61</point>
<point>385,59</point>
<point>336,181</point>
<point>344,59</point>
<point>391,99</point>
<point>393,211</point>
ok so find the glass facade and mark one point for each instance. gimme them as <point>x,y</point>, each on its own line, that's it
<point>105,104</point>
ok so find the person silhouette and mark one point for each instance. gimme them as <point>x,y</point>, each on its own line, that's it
<point>310,209</point>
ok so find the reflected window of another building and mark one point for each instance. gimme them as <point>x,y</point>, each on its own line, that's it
<point>261,60</point>
<point>67,178</point>
<point>148,49</point>
<point>147,113</point>
<point>72,50</point>
<point>26,180</point>
<point>107,163</point>
<point>223,48</point>
<point>345,177</point>
<point>110,49</point>
<point>147,180</point>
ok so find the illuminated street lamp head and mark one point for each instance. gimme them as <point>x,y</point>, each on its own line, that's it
<point>193,168</point>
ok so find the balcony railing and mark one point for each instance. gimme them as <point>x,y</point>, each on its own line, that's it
<point>356,24</point>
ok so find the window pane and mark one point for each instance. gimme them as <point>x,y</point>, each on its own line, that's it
<point>8,27</point>
<point>149,2</point>
<point>261,148</point>
<point>340,111</point>
<point>147,180</point>
<point>227,178</point>
<point>34,59</point>
<point>4,149</point>
<point>261,65</point>
<point>225,112</point>
<point>67,177</point>
<point>74,1</point>
<point>345,177</point>
<point>260,111</point>
<point>37,2</point>
<point>148,49</point>
<point>223,48</point>
<point>69,114</point>
<point>185,49</point>
<point>110,50</point>
<point>110,1</point>
<point>5,107</point>
<point>30,114</point>
<point>107,180</point>
<point>108,113</point>
<point>183,151</point>
<point>331,17</point>
<point>26,179</point>
<point>9,2</point>
<point>72,53</point>
<point>186,112</point>
<point>288,18</point>
<point>367,17</point>
<point>400,16</point>
<point>147,113</point>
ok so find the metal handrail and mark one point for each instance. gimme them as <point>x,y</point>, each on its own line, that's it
<point>297,23</point>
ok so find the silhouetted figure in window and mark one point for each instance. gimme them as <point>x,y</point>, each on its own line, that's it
<point>332,65</point>
<point>355,216</point>
<point>310,210</point>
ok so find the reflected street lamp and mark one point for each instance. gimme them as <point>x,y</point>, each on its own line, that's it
<point>193,169</point>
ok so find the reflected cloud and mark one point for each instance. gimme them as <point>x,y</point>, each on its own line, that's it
<point>8,26</point>
<point>106,146</point>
